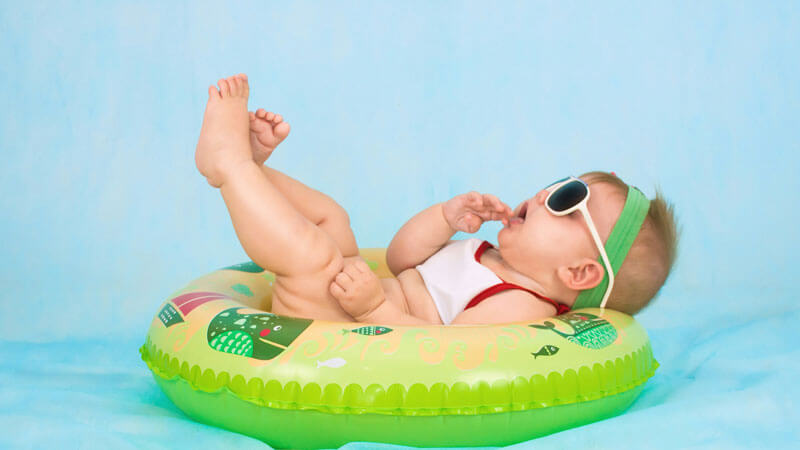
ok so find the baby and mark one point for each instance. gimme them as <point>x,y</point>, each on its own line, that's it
<point>547,261</point>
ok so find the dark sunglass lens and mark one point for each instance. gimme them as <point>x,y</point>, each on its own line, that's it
<point>556,182</point>
<point>567,196</point>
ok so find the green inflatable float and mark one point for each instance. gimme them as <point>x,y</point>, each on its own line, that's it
<point>225,360</point>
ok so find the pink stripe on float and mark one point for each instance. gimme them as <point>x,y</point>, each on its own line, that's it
<point>181,299</point>
<point>188,302</point>
<point>187,307</point>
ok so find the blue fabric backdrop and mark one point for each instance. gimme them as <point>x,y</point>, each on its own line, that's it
<point>393,107</point>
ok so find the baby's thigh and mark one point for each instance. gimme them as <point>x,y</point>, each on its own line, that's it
<point>309,296</point>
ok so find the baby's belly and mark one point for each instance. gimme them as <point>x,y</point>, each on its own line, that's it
<point>409,289</point>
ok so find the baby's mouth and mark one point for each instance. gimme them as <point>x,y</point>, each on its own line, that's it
<point>520,217</point>
<point>523,211</point>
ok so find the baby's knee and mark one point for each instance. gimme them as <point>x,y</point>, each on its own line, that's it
<point>336,214</point>
<point>324,255</point>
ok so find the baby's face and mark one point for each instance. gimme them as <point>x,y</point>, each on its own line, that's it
<point>544,242</point>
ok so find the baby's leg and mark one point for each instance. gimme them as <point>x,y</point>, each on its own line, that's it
<point>267,131</point>
<point>319,208</point>
<point>272,232</point>
<point>301,296</point>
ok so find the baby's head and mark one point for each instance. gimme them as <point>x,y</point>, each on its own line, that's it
<point>559,253</point>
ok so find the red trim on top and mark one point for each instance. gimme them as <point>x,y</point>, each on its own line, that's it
<point>479,252</point>
<point>491,290</point>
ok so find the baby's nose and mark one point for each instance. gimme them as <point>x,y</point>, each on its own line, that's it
<point>541,196</point>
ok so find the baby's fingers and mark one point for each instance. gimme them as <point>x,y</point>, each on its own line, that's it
<point>495,203</point>
<point>344,280</point>
<point>474,200</point>
<point>336,290</point>
<point>503,213</point>
<point>352,270</point>
<point>362,266</point>
<point>493,208</point>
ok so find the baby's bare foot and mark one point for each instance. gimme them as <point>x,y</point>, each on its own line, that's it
<point>267,130</point>
<point>223,143</point>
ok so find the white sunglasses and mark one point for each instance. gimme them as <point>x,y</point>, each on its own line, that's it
<point>572,194</point>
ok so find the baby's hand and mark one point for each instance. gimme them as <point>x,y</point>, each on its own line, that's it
<point>357,289</point>
<point>467,212</point>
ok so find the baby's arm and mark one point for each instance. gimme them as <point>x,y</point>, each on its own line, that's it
<point>358,290</point>
<point>430,230</point>
<point>418,239</point>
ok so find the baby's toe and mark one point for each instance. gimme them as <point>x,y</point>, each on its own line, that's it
<point>261,113</point>
<point>244,85</point>
<point>235,86</point>
<point>281,130</point>
<point>270,115</point>
<point>224,89</point>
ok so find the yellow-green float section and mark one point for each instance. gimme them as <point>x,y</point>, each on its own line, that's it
<point>224,360</point>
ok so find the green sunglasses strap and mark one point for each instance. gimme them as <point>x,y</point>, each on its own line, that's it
<point>618,244</point>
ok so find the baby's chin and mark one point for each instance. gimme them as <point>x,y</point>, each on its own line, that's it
<point>502,239</point>
<point>507,231</point>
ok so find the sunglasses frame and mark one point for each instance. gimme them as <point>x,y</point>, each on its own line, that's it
<point>582,207</point>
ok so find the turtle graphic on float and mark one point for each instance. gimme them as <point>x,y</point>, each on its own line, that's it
<point>589,331</point>
<point>259,335</point>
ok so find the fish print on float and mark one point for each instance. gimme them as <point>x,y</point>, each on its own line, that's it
<point>260,335</point>
<point>547,350</point>
<point>368,330</point>
<point>334,363</point>
<point>589,331</point>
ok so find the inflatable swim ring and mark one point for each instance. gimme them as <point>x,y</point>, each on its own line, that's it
<point>225,360</point>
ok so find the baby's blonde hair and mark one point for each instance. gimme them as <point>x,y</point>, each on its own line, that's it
<point>652,255</point>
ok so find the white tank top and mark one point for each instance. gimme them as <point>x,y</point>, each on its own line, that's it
<point>455,279</point>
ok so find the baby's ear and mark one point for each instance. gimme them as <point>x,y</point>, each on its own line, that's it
<point>585,274</point>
